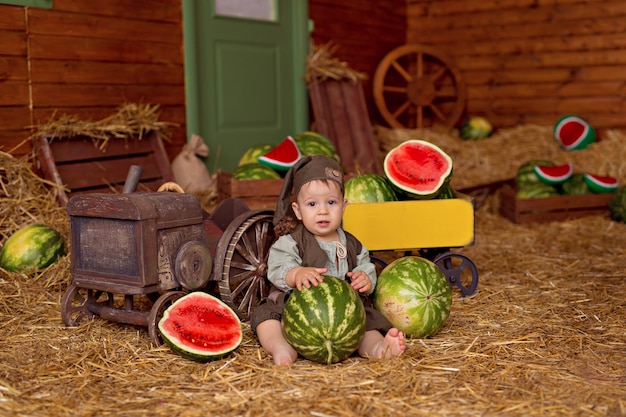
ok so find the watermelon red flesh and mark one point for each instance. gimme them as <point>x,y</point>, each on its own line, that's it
<point>201,327</point>
<point>554,174</point>
<point>324,323</point>
<point>418,168</point>
<point>573,133</point>
<point>601,184</point>
<point>414,295</point>
<point>283,156</point>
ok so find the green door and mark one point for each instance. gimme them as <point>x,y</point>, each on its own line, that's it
<point>244,62</point>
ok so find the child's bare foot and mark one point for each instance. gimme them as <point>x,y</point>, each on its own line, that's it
<point>284,356</point>
<point>394,344</point>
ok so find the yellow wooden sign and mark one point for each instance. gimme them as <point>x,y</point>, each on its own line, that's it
<point>416,224</point>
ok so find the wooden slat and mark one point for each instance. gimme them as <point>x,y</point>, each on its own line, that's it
<point>50,95</point>
<point>12,18</point>
<point>166,11</point>
<point>12,42</point>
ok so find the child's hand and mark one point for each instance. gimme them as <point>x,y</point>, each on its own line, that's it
<point>360,281</point>
<point>307,276</point>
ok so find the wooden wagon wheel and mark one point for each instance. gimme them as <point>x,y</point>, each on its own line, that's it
<point>415,87</point>
<point>76,301</point>
<point>241,256</point>
<point>460,271</point>
<point>156,313</point>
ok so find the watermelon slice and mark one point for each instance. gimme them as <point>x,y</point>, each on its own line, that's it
<point>553,175</point>
<point>573,133</point>
<point>283,156</point>
<point>601,184</point>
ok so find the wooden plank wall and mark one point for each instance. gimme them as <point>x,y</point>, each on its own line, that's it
<point>87,59</point>
<point>364,32</point>
<point>532,61</point>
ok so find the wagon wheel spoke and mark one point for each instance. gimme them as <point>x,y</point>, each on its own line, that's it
<point>459,269</point>
<point>76,303</point>
<point>243,284</point>
<point>156,313</point>
<point>434,88</point>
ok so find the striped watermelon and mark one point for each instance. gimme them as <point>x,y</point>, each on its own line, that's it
<point>526,172</point>
<point>539,190</point>
<point>32,247</point>
<point>200,327</point>
<point>254,171</point>
<point>575,185</point>
<point>253,153</point>
<point>617,205</point>
<point>369,188</point>
<point>414,295</point>
<point>476,128</point>
<point>313,143</point>
<point>324,323</point>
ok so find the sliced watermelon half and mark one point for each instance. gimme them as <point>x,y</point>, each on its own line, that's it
<point>553,175</point>
<point>283,156</point>
<point>574,133</point>
<point>601,184</point>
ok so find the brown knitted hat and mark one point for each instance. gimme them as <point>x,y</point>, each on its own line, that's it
<point>307,169</point>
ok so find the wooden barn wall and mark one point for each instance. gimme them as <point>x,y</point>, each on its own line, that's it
<point>363,31</point>
<point>532,61</point>
<point>87,59</point>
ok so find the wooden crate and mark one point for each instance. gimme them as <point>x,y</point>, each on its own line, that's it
<point>257,194</point>
<point>541,210</point>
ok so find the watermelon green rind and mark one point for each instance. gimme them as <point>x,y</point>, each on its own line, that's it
<point>617,205</point>
<point>601,184</point>
<point>253,153</point>
<point>414,295</point>
<point>201,327</point>
<point>554,174</point>
<point>418,169</point>
<point>324,323</point>
<point>575,185</point>
<point>254,171</point>
<point>283,156</point>
<point>526,172</point>
<point>369,188</point>
<point>539,190</point>
<point>584,133</point>
<point>476,128</point>
<point>33,247</point>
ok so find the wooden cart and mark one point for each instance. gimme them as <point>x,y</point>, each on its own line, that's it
<point>133,254</point>
<point>432,227</point>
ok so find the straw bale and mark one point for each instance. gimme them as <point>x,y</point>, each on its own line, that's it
<point>543,336</point>
<point>322,64</point>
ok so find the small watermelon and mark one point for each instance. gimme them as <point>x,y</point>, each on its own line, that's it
<point>414,295</point>
<point>555,174</point>
<point>575,185</point>
<point>201,327</point>
<point>418,169</point>
<point>254,171</point>
<point>476,128</point>
<point>573,133</point>
<point>283,156</point>
<point>369,188</point>
<point>526,172</point>
<point>313,143</point>
<point>617,205</point>
<point>31,248</point>
<point>539,190</point>
<point>601,184</point>
<point>253,153</point>
<point>324,323</point>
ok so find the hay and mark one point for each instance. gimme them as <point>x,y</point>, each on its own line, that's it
<point>130,120</point>
<point>322,65</point>
<point>543,336</point>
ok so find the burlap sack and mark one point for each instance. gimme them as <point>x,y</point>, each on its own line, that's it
<point>189,169</point>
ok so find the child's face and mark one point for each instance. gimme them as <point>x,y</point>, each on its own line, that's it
<point>320,205</point>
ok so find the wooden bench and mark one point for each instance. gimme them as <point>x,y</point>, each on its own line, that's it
<point>76,165</point>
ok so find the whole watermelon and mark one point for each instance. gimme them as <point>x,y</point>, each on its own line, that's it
<point>324,323</point>
<point>539,190</point>
<point>369,188</point>
<point>414,295</point>
<point>575,185</point>
<point>476,128</point>
<point>313,143</point>
<point>252,154</point>
<point>32,247</point>
<point>254,171</point>
<point>617,205</point>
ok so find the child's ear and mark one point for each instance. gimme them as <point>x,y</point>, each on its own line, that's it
<point>296,210</point>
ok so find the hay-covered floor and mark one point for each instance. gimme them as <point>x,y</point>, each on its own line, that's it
<point>544,335</point>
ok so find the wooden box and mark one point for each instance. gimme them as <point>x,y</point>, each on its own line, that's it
<point>541,210</point>
<point>257,194</point>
